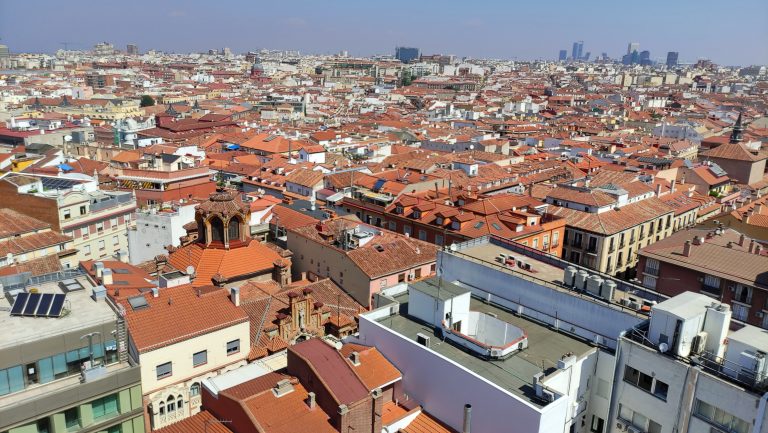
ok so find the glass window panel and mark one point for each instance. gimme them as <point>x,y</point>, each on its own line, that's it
<point>645,382</point>
<point>639,421</point>
<point>98,350</point>
<point>59,364</point>
<point>16,378</point>
<point>4,386</point>
<point>625,413</point>
<point>45,367</point>
<point>660,390</point>
<point>654,427</point>
<point>705,410</point>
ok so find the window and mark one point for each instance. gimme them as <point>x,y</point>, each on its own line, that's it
<point>649,281</point>
<point>200,358</point>
<point>720,418</point>
<point>102,245</point>
<point>422,235</point>
<point>100,226</point>
<point>82,210</point>
<point>711,285</point>
<point>597,424</point>
<point>638,420</point>
<point>164,370</point>
<point>72,419</point>
<point>401,278</point>
<point>233,347</point>
<point>194,390</point>
<point>67,214</point>
<point>105,406</point>
<point>86,250</point>
<point>645,382</point>
<point>439,240</point>
<point>115,240</point>
<point>536,243</point>
<point>113,222</point>
<point>392,225</point>
<point>652,267</point>
<point>11,380</point>
<point>170,404</point>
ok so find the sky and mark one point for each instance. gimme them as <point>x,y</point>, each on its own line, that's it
<point>733,32</point>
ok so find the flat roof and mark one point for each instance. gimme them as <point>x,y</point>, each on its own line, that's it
<point>80,311</point>
<point>515,373</point>
<point>444,292</point>
<point>752,336</point>
<point>687,305</point>
<point>489,251</point>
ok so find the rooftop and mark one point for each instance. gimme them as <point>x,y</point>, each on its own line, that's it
<point>80,311</point>
<point>515,373</point>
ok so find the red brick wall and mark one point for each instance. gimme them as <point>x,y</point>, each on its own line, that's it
<point>37,207</point>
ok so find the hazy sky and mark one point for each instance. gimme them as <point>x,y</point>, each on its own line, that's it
<point>728,32</point>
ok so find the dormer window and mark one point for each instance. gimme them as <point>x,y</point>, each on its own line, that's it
<point>398,209</point>
<point>456,225</point>
<point>439,221</point>
<point>417,214</point>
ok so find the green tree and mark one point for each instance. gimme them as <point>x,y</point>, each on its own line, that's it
<point>147,101</point>
<point>407,78</point>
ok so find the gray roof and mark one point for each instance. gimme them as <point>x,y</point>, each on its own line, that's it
<point>437,289</point>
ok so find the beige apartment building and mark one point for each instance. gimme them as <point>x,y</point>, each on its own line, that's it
<point>180,336</point>
<point>607,225</point>
<point>98,221</point>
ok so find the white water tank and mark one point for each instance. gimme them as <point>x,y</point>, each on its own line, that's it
<point>569,276</point>
<point>594,282</point>
<point>581,279</point>
<point>716,323</point>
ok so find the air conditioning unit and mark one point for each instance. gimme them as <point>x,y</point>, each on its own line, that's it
<point>422,339</point>
<point>548,395</point>
<point>620,426</point>
<point>698,343</point>
<point>495,353</point>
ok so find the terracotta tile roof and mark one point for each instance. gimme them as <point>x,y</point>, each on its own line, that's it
<point>614,221</point>
<point>713,256</point>
<point>737,151</point>
<point>290,219</point>
<point>177,314</point>
<point>289,413</point>
<point>374,370</point>
<point>234,263</point>
<point>201,422</point>
<point>425,423</point>
<point>13,223</point>
<point>332,370</point>
<point>38,266</point>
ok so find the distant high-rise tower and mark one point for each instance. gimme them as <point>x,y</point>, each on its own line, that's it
<point>587,56</point>
<point>577,49</point>
<point>406,54</point>
<point>645,57</point>
<point>672,59</point>
<point>5,56</point>
<point>563,55</point>
<point>736,133</point>
<point>632,47</point>
<point>132,50</point>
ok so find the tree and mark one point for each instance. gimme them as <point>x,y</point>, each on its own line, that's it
<point>147,101</point>
<point>407,78</point>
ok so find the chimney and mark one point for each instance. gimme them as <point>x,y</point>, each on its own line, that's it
<point>758,249</point>
<point>687,249</point>
<point>355,358</point>
<point>747,215</point>
<point>467,418</point>
<point>155,292</point>
<point>343,417</point>
<point>234,296</point>
<point>311,400</point>
<point>758,209</point>
<point>672,186</point>
<point>658,189</point>
<point>282,387</point>
<point>751,246</point>
<point>106,276</point>
<point>122,255</point>
<point>98,267</point>
<point>741,240</point>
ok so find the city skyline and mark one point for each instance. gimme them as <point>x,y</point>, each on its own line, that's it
<point>193,26</point>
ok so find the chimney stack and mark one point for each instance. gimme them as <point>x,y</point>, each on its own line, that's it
<point>234,296</point>
<point>282,387</point>
<point>687,249</point>
<point>155,292</point>
<point>106,276</point>
<point>672,186</point>
<point>467,418</point>
<point>751,246</point>
<point>747,215</point>
<point>658,190</point>
<point>311,400</point>
<point>741,240</point>
<point>355,358</point>
<point>758,249</point>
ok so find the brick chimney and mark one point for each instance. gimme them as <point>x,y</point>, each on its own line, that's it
<point>687,249</point>
<point>741,240</point>
<point>311,400</point>
<point>751,246</point>
<point>658,190</point>
<point>355,358</point>
<point>343,418</point>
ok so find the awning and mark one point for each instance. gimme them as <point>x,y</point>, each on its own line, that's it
<point>65,167</point>
<point>232,146</point>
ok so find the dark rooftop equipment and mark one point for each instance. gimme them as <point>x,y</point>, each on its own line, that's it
<point>38,305</point>
<point>18,304</point>
<point>31,308</point>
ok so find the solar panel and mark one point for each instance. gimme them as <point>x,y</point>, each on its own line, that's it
<point>18,305</point>
<point>45,304</point>
<point>56,306</point>
<point>379,183</point>
<point>34,299</point>
<point>58,183</point>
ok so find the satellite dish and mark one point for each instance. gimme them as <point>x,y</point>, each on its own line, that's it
<point>190,270</point>
<point>67,138</point>
<point>663,347</point>
<point>453,247</point>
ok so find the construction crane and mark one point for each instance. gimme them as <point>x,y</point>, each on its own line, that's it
<point>67,44</point>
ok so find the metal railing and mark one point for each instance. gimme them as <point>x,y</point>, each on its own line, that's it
<point>44,278</point>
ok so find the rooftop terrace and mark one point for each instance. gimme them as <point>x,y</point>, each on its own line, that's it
<point>514,373</point>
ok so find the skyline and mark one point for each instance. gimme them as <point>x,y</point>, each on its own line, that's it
<point>495,31</point>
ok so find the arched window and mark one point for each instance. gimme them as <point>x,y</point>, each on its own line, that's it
<point>161,408</point>
<point>234,229</point>
<point>171,404</point>
<point>217,229</point>
<point>180,402</point>
<point>194,389</point>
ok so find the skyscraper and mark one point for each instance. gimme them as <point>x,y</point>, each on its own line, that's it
<point>672,59</point>
<point>563,55</point>
<point>132,50</point>
<point>645,57</point>
<point>406,54</point>
<point>578,47</point>
<point>632,47</point>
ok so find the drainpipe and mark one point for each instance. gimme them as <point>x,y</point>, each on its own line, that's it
<point>467,418</point>
<point>612,405</point>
